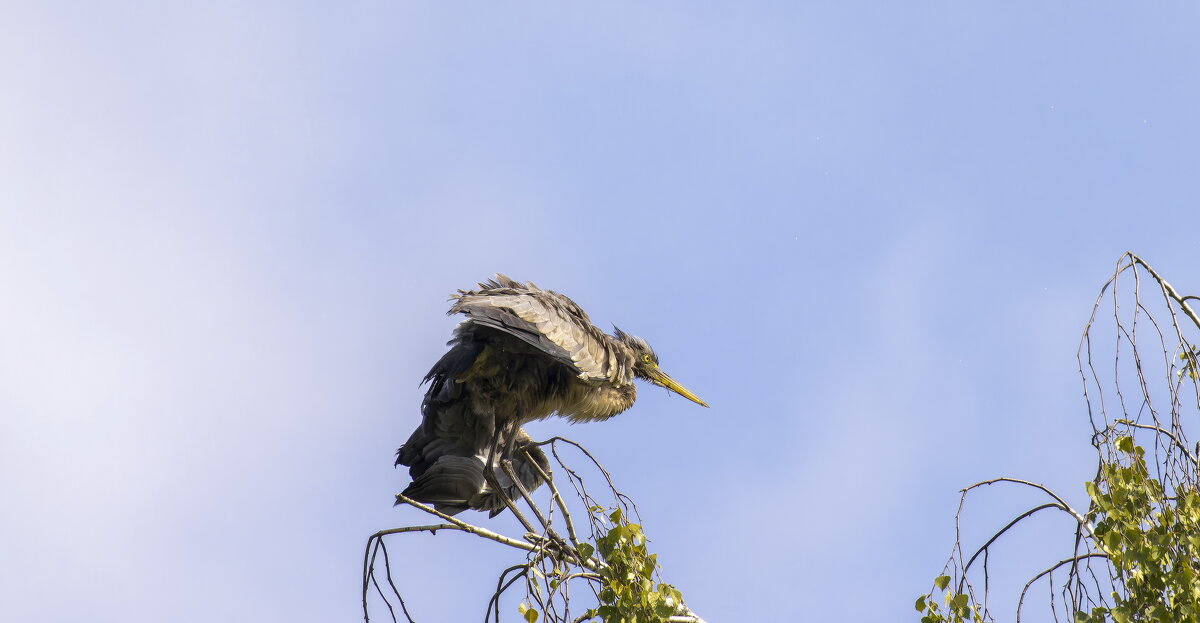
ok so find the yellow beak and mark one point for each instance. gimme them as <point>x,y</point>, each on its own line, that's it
<point>658,377</point>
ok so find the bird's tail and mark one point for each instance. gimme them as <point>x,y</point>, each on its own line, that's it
<point>453,483</point>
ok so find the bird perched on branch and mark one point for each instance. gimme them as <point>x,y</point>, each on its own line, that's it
<point>522,354</point>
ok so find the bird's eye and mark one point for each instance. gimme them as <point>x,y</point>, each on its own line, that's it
<point>646,358</point>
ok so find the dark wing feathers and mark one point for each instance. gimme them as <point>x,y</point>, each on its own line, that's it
<point>446,453</point>
<point>455,483</point>
<point>456,360</point>
<point>450,483</point>
<point>548,321</point>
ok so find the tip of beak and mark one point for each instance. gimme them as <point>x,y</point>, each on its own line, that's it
<point>662,380</point>
<point>693,398</point>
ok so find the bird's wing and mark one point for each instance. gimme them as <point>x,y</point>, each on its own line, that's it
<point>550,322</point>
<point>448,452</point>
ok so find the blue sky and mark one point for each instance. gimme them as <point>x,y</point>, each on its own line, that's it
<point>868,234</point>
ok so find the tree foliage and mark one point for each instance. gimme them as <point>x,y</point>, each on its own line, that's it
<point>1135,551</point>
<point>629,592</point>
<point>1153,546</point>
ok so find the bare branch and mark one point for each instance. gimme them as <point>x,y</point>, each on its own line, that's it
<point>997,535</point>
<point>1083,522</point>
<point>1166,433</point>
<point>464,526</point>
<point>1169,290</point>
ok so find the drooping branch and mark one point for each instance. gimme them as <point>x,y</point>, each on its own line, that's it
<point>1134,388</point>
<point>1073,560</point>
<point>984,548</point>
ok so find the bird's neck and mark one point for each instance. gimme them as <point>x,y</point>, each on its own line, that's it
<point>599,403</point>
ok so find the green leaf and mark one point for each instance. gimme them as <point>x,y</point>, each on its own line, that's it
<point>942,581</point>
<point>921,603</point>
<point>531,615</point>
<point>586,550</point>
<point>1112,541</point>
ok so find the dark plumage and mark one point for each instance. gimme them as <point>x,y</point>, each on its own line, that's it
<point>522,354</point>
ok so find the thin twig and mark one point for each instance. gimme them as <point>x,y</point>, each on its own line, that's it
<point>501,586</point>
<point>387,570</point>
<point>558,500</point>
<point>1072,560</point>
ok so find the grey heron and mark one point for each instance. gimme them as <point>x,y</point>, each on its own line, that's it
<point>521,354</point>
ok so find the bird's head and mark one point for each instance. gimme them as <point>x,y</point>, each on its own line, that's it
<point>645,366</point>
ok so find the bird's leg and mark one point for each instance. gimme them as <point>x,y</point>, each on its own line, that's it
<point>510,471</point>
<point>506,465</point>
<point>489,473</point>
<point>555,540</point>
